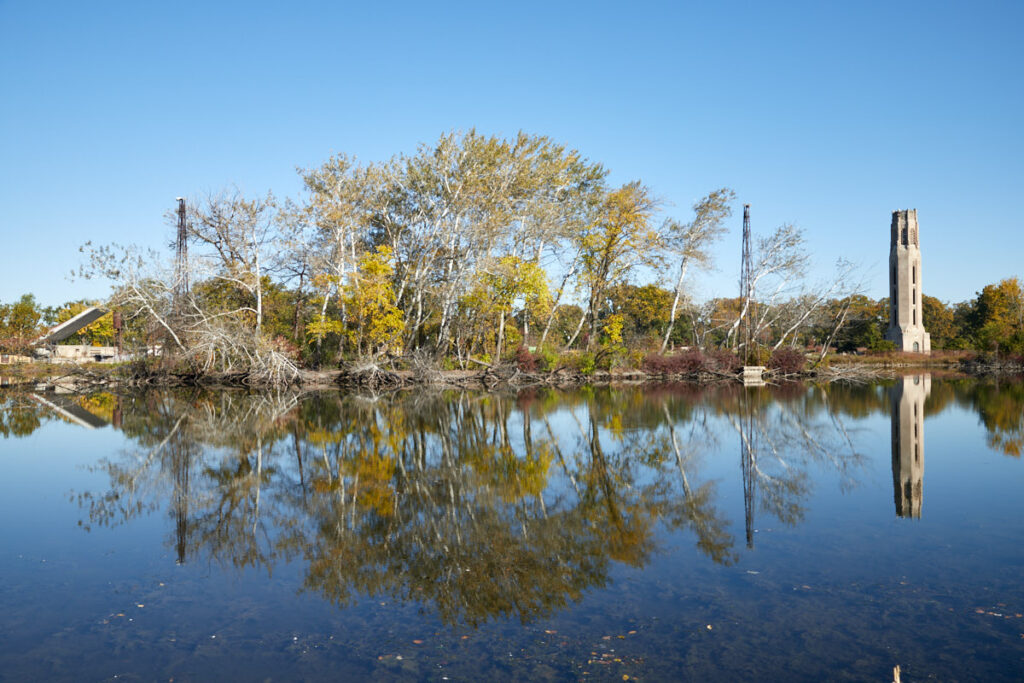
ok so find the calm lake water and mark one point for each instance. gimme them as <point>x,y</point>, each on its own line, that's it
<point>657,533</point>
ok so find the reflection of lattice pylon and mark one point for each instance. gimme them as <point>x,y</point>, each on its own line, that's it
<point>181,256</point>
<point>748,456</point>
<point>181,460</point>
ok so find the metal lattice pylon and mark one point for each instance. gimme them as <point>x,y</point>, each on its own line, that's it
<point>746,280</point>
<point>181,256</point>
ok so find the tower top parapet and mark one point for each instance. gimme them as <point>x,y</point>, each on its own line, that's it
<point>904,228</point>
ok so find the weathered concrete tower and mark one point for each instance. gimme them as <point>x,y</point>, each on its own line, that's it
<point>906,328</point>
<point>907,401</point>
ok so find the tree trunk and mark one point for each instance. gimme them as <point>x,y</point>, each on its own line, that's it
<point>675,305</point>
<point>501,337</point>
<point>577,332</point>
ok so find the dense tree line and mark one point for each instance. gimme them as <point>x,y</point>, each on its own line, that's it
<point>991,322</point>
<point>473,248</point>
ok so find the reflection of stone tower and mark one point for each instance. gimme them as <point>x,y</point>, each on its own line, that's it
<point>906,327</point>
<point>908,443</point>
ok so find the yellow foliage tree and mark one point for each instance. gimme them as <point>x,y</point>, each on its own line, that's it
<point>621,238</point>
<point>514,279</point>
<point>376,323</point>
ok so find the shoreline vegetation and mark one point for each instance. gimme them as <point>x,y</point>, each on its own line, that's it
<point>507,376</point>
<point>506,260</point>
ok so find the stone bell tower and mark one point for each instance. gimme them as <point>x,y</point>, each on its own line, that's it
<point>906,328</point>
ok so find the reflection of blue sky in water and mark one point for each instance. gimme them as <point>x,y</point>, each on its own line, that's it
<point>848,587</point>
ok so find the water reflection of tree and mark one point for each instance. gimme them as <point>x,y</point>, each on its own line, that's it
<point>483,506</point>
<point>698,509</point>
<point>19,416</point>
<point>1000,408</point>
<point>779,441</point>
<point>445,505</point>
<point>215,438</point>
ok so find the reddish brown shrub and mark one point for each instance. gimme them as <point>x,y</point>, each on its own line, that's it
<point>285,346</point>
<point>724,360</point>
<point>686,363</point>
<point>788,361</point>
<point>526,361</point>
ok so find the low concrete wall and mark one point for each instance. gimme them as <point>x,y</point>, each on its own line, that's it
<point>80,353</point>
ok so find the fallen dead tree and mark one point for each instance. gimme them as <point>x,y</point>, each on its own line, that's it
<point>368,375</point>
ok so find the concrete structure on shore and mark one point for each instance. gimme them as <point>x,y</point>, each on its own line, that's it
<point>907,401</point>
<point>47,346</point>
<point>906,326</point>
<point>80,353</point>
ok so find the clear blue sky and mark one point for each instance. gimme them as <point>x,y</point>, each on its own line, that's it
<point>824,114</point>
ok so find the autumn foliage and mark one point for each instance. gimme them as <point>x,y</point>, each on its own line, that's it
<point>691,362</point>
<point>788,361</point>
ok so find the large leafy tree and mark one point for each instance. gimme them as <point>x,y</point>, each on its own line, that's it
<point>20,323</point>
<point>621,238</point>
<point>938,319</point>
<point>644,310</point>
<point>997,318</point>
<point>376,322</point>
<point>863,325</point>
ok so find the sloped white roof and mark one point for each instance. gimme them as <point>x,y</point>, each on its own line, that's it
<point>69,327</point>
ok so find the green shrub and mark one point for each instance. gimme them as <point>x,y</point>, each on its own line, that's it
<point>549,359</point>
<point>882,345</point>
<point>585,363</point>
